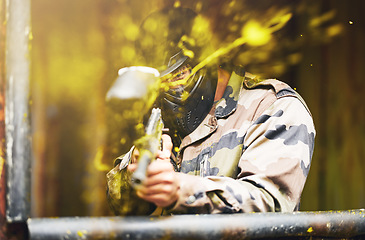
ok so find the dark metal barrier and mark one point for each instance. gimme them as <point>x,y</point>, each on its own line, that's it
<point>303,225</point>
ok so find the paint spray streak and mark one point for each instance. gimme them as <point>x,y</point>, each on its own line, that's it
<point>252,34</point>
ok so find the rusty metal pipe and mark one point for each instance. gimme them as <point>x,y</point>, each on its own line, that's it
<point>17,123</point>
<point>337,225</point>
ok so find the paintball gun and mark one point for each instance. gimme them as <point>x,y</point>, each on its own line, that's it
<point>148,145</point>
<point>132,95</point>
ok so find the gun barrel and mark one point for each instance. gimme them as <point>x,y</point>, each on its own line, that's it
<point>153,121</point>
<point>139,175</point>
<point>150,143</point>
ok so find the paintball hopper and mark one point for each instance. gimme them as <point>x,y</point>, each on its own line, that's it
<point>134,92</point>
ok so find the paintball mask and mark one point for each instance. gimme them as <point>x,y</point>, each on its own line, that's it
<point>186,105</point>
<point>174,41</point>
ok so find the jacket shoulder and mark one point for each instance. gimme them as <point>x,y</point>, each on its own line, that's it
<point>279,88</point>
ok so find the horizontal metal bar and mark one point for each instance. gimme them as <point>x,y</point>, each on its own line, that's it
<point>340,224</point>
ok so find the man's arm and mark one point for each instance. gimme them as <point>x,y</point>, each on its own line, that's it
<point>124,199</point>
<point>121,196</point>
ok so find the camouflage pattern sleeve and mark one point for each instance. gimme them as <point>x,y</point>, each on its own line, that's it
<point>122,198</point>
<point>272,167</point>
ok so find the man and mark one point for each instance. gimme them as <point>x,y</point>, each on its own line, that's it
<point>245,145</point>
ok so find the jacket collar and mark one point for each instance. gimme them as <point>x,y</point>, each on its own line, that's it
<point>228,103</point>
<point>223,108</point>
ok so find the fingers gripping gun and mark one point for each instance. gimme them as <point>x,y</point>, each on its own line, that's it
<point>132,95</point>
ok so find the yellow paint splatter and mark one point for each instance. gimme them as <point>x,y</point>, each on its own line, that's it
<point>184,95</point>
<point>324,18</point>
<point>131,31</point>
<point>199,6</point>
<point>177,4</point>
<point>81,233</point>
<point>263,34</point>
<point>256,34</point>
<point>98,164</point>
<point>123,141</point>
<point>334,30</point>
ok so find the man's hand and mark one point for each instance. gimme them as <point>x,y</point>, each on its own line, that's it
<point>161,186</point>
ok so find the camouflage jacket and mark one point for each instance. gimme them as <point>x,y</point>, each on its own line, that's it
<point>252,153</point>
